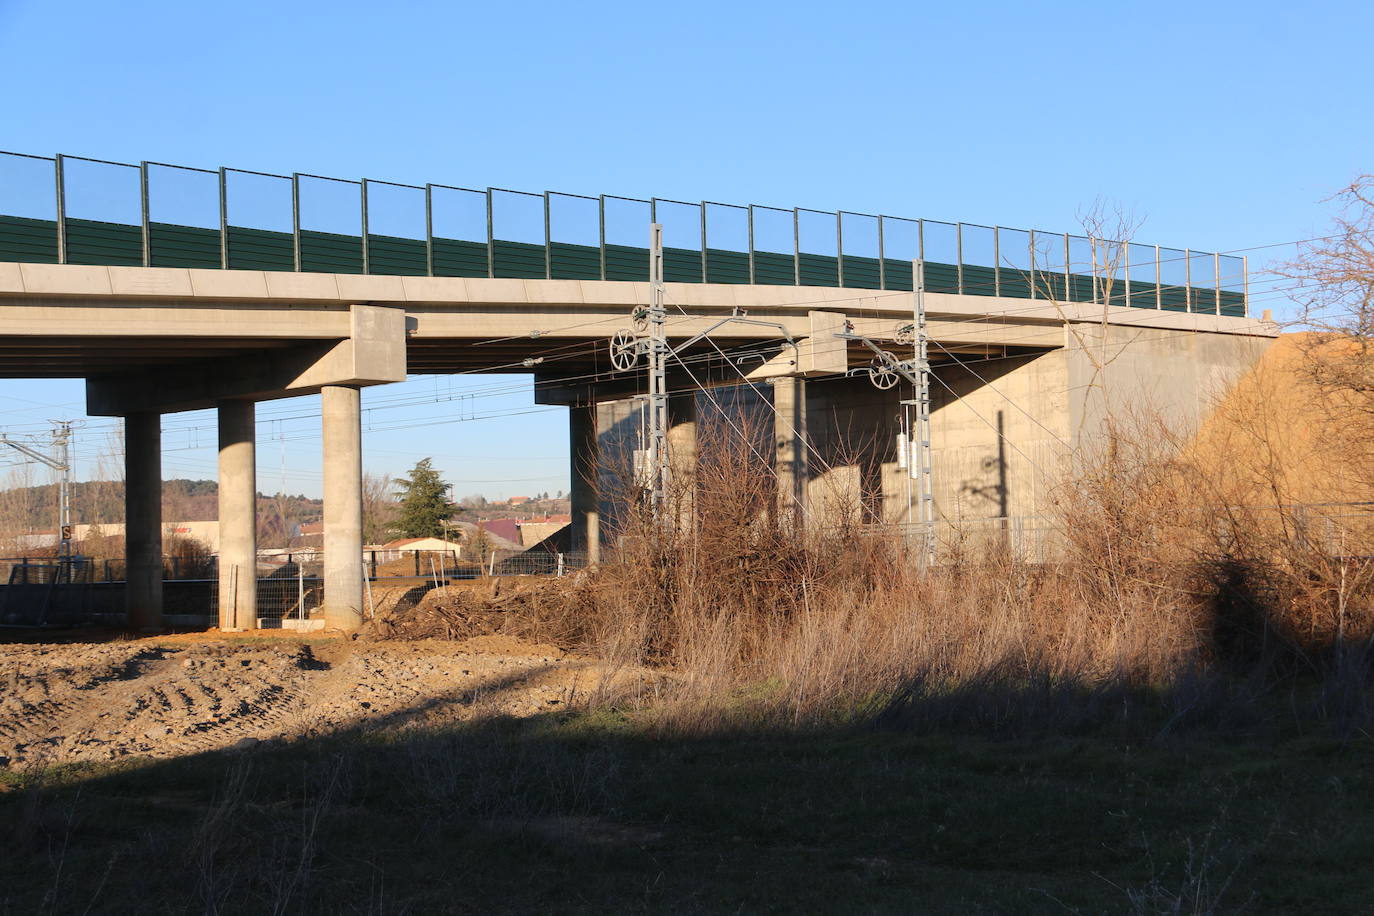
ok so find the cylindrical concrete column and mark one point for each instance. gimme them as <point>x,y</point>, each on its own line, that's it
<point>585,494</point>
<point>789,428</point>
<point>143,520</point>
<point>238,536</point>
<point>343,507</point>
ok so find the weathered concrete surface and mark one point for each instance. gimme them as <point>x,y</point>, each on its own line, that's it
<point>238,539</point>
<point>343,507</point>
<point>143,520</point>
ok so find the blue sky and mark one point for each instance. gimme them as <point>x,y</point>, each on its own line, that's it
<point>1221,125</point>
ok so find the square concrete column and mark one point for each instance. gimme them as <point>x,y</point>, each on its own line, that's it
<point>790,436</point>
<point>238,534</point>
<point>585,456</point>
<point>343,507</point>
<point>143,520</point>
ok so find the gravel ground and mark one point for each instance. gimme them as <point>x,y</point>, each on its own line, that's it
<point>168,696</point>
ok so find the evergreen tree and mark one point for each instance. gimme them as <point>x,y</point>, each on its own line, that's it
<point>424,505</point>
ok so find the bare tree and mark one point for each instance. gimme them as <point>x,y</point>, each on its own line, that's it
<point>379,508</point>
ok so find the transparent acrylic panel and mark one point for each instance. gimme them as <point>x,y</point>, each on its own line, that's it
<point>1173,279</point>
<point>901,246</point>
<point>940,245</point>
<point>28,187</point>
<point>1202,278</point>
<point>818,245</point>
<point>1143,276</point>
<point>1050,262</point>
<point>979,251</point>
<point>28,209</point>
<point>396,229</point>
<point>458,221</point>
<point>574,237</point>
<point>331,224</point>
<point>860,265</point>
<point>1082,274</point>
<point>1232,273</point>
<point>1110,259</point>
<point>258,213</point>
<point>682,246</point>
<point>517,233</point>
<point>774,246</point>
<point>104,212</point>
<point>727,243</point>
<point>627,223</point>
<point>396,210</point>
<point>1014,263</point>
<point>183,217</point>
<point>258,201</point>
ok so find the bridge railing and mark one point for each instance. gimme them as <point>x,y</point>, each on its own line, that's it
<point>73,210</point>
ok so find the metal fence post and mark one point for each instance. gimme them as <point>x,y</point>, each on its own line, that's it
<point>223,218</point>
<point>959,255</point>
<point>143,208</point>
<point>1216,265</point>
<point>362,196</point>
<point>60,174</point>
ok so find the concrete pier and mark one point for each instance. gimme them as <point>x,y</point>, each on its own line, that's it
<point>790,435</point>
<point>143,520</point>
<point>238,541</point>
<point>682,453</point>
<point>343,507</point>
<point>585,456</point>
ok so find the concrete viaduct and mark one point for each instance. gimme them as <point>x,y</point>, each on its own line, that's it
<point>152,340</point>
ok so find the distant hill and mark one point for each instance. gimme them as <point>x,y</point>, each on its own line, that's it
<point>99,502</point>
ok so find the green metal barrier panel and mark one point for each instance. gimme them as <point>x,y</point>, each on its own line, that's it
<point>456,258</point>
<point>574,262</point>
<point>170,245</point>
<point>681,265</point>
<point>1049,285</point>
<point>260,249</point>
<point>819,270</point>
<point>33,241</point>
<point>395,256</point>
<point>979,280</point>
<point>726,266</point>
<point>331,252</point>
<point>519,260</point>
<point>1143,294</point>
<point>92,241</point>
<point>1173,298</point>
<point>860,273</point>
<point>897,274</point>
<point>1015,283</point>
<point>624,262</point>
<point>773,269</point>
<point>941,278</point>
<point>1233,304</point>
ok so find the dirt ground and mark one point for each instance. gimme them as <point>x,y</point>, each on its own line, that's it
<point>173,695</point>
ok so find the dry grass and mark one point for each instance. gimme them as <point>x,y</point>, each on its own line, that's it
<point>1157,610</point>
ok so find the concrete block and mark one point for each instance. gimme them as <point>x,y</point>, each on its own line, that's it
<point>150,281</point>
<point>229,284</point>
<point>486,289</point>
<point>66,279</point>
<point>369,287</point>
<point>435,289</point>
<point>11,278</point>
<point>283,285</point>
<point>554,291</point>
<point>609,292</point>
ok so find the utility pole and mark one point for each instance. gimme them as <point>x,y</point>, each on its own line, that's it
<point>60,461</point>
<point>920,462</point>
<point>658,378</point>
<point>887,370</point>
